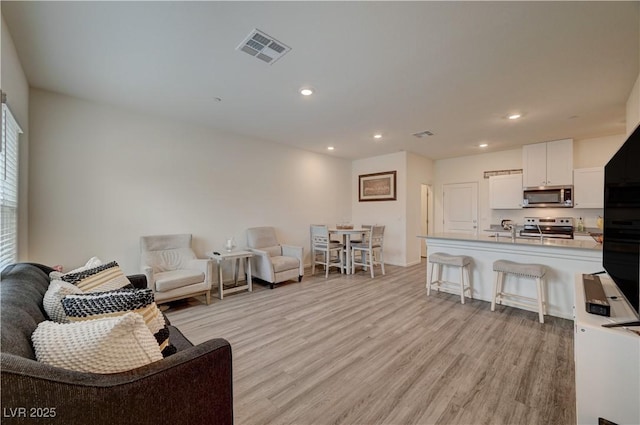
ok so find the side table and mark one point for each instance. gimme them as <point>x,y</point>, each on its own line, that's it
<point>235,257</point>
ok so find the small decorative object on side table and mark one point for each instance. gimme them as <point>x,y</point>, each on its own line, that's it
<point>234,257</point>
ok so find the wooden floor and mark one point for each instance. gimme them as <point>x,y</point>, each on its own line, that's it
<point>356,350</point>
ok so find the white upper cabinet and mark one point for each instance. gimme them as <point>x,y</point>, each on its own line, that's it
<point>505,192</point>
<point>548,164</point>
<point>588,187</point>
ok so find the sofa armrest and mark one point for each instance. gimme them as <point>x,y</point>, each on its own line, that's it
<point>148,272</point>
<point>261,265</point>
<point>193,386</point>
<point>294,251</point>
<point>138,280</point>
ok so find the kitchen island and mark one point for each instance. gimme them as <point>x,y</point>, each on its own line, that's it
<point>563,257</point>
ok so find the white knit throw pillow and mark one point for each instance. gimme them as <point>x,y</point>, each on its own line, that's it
<point>107,345</point>
<point>51,302</point>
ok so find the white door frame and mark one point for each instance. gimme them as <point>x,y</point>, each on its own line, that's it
<point>426,214</point>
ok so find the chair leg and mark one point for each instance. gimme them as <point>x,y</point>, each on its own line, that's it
<point>363,259</point>
<point>462,284</point>
<point>382,261</point>
<point>469,282</point>
<point>327,259</point>
<point>544,296</point>
<point>353,261</point>
<point>540,308</point>
<point>430,279</point>
<point>501,287</point>
<point>313,262</point>
<point>208,297</point>
<point>371,262</point>
<point>495,291</point>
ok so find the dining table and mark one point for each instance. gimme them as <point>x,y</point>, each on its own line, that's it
<point>346,234</point>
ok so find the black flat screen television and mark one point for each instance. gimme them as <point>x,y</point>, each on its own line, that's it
<point>621,232</point>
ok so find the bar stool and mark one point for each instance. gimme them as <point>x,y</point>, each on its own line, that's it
<point>532,271</point>
<point>439,260</point>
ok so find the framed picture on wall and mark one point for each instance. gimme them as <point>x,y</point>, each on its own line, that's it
<point>377,186</point>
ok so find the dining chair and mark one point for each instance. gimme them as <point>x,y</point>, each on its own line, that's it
<point>359,239</point>
<point>372,244</point>
<point>321,243</point>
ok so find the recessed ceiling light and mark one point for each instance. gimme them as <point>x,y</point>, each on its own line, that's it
<point>306,91</point>
<point>377,136</point>
<point>483,145</point>
<point>330,148</point>
<point>514,116</point>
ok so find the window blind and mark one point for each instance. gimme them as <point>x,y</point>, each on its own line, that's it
<point>9,188</point>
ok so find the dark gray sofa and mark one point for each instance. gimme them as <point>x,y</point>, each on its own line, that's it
<point>193,386</point>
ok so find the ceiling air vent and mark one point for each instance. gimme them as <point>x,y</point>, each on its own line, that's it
<point>423,134</point>
<point>263,47</point>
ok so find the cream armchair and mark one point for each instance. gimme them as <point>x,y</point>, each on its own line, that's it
<point>172,269</point>
<point>272,262</point>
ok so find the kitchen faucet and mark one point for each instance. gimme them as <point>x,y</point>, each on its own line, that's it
<point>541,235</point>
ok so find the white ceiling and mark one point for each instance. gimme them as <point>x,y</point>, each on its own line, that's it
<point>454,68</point>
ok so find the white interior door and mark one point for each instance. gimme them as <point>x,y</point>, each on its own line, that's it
<point>460,207</point>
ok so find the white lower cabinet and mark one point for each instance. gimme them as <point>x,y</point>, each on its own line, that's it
<point>607,362</point>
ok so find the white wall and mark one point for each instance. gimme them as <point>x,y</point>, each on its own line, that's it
<point>390,213</point>
<point>402,216</point>
<point>633,107</point>
<point>596,152</point>
<point>101,177</point>
<point>14,83</point>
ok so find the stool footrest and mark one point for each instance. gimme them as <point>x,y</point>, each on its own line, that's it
<point>449,286</point>
<point>515,297</point>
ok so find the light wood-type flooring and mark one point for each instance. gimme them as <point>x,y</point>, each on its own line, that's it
<point>356,350</point>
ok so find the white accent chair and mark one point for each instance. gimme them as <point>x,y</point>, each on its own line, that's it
<point>321,243</point>
<point>372,244</point>
<point>172,269</point>
<point>272,262</point>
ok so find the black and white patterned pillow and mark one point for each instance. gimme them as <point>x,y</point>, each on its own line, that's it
<point>105,277</point>
<point>91,263</point>
<point>97,305</point>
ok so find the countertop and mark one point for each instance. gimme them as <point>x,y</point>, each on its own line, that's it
<point>505,238</point>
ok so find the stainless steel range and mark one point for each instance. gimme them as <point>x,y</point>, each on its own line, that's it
<point>549,227</point>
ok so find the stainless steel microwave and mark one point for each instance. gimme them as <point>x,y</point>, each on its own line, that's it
<point>548,197</point>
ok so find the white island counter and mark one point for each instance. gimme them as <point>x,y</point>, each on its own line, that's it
<point>563,257</point>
